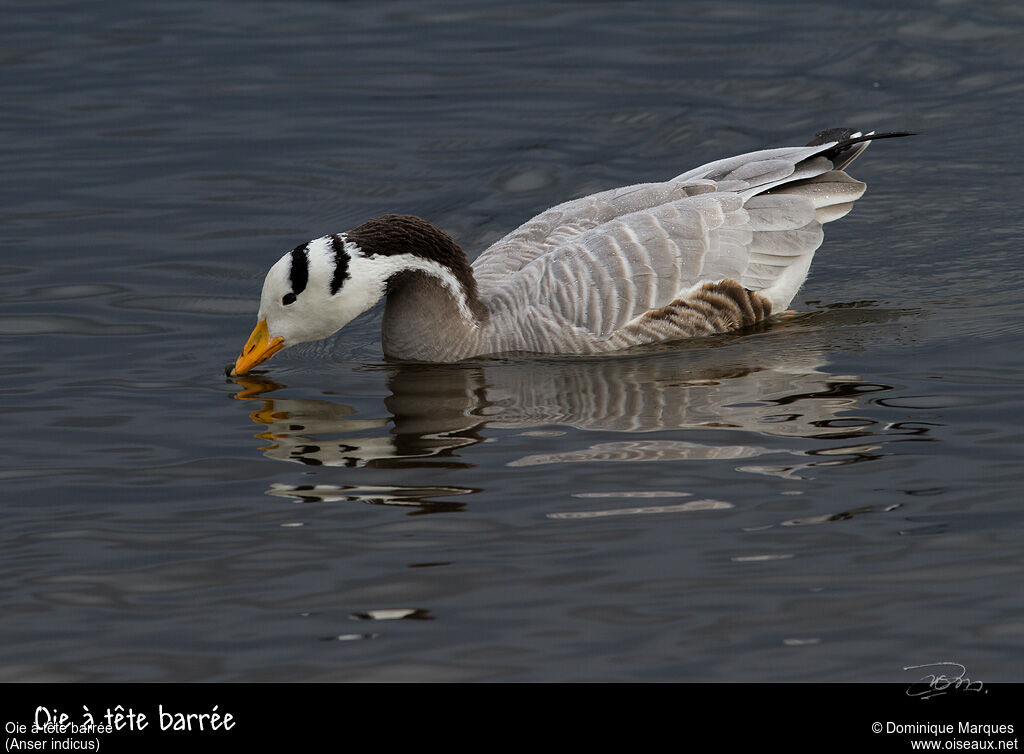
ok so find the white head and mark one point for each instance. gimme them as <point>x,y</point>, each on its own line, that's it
<point>301,300</point>
<point>319,287</point>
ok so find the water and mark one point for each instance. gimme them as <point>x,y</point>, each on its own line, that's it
<point>831,498</point>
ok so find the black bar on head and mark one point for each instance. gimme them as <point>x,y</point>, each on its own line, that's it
<point>340,264</point>
<point>299,274</point>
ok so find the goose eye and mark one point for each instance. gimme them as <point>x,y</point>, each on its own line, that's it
<point>288,298</point>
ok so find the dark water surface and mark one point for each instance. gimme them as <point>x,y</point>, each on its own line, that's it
<point>834,497</point>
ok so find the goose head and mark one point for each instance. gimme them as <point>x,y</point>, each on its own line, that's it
<point>318,287</point>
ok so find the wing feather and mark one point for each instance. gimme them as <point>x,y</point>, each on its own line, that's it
<point>586,268</point>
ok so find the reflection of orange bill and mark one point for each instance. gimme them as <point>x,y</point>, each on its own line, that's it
<point>252,387</point>
<point>258,349</point>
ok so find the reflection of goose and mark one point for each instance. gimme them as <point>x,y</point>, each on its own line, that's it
<point>770,385</point>
<point>717,248</point>
<point>418,497</point>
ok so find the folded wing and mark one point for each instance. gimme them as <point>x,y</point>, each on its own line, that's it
<point>588,268</point>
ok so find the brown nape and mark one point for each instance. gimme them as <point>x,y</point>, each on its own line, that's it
<point>389,235</point>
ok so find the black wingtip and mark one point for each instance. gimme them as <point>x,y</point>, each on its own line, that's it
<point>846,137</point>
<point>850,143</point>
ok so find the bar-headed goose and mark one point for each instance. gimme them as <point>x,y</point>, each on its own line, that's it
<point>716,248</point>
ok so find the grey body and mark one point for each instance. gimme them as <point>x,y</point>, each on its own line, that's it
<point>584,277</point>
<point>719,247</point>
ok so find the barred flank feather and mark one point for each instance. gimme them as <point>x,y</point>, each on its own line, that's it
<point>712,308</point>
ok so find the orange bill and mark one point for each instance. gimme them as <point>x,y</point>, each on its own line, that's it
<point>258,349</point>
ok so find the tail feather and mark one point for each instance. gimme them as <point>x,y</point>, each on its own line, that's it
<point>851,143</point>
